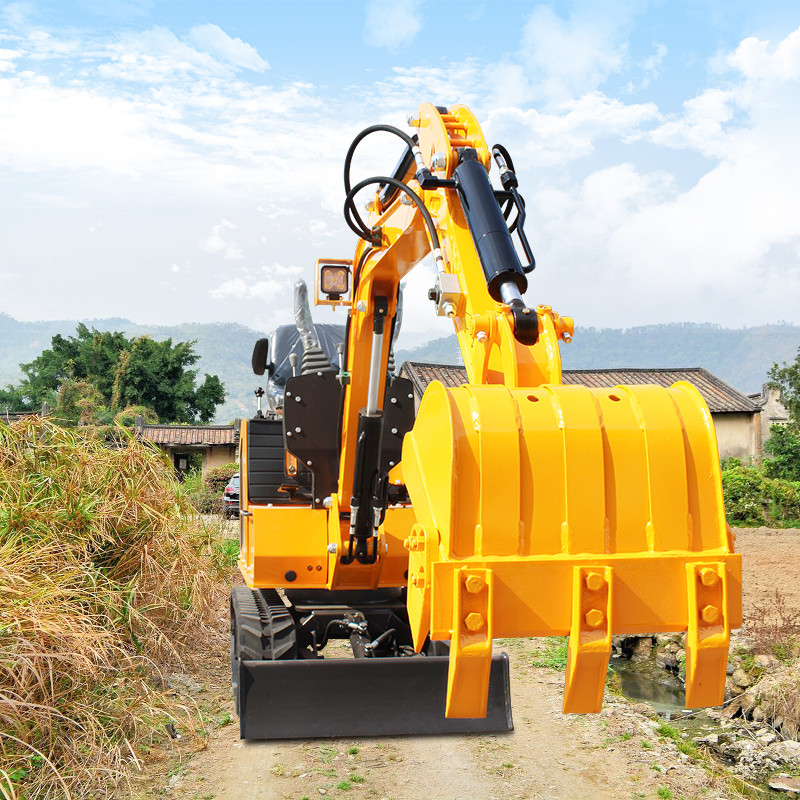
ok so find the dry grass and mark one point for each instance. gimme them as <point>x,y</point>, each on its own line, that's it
<point>773,627</point>
<point>105,573</point>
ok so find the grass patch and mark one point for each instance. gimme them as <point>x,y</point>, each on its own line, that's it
<point>664,792</point>
<point>106,572</point>
<point>554,655</point>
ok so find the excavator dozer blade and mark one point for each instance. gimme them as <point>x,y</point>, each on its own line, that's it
<point>331,698</point>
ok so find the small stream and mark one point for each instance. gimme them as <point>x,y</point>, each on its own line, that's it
<point>664,693</point>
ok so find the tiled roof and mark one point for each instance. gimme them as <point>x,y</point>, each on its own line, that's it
<point>203,435</point>
<point>720,397</point>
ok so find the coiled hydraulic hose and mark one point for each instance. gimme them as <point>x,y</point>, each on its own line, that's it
<point>357,225</point>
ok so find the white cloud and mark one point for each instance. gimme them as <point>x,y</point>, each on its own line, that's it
<point>236,52</point>
<point>275,281</point>
<point>219,245</point>
<point>568,57</point>
<point>568,132</point>
<point>392,23</point>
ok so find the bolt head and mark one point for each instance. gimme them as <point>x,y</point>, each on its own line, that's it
<point>709,614</point>
<point>474,622</point>
<point>708,577</point>
<point>595,618</point>
<point>474,584</point>
<point>595,581</point>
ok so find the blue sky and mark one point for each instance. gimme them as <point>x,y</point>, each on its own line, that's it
<point>176,161</point>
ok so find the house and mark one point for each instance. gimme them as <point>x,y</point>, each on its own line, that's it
<point>773,412</point>
<point>737,418</point>
<point>210,445</point>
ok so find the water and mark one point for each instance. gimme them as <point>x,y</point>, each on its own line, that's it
<point>661,690</point>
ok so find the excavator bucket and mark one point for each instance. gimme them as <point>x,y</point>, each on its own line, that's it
<point>345,697</point>
<point>564,510</point>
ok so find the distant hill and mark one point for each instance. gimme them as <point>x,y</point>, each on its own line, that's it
<point>741,356</point>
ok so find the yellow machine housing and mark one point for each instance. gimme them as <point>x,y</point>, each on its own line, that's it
<point>536,509</point>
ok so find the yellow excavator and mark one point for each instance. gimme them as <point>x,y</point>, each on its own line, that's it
<point>511,506</point>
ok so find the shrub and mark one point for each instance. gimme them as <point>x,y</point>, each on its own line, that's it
<point>217,478</point>
<point>753,498</point>
<point>784,447</point>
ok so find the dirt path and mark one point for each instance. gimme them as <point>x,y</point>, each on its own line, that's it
<point>616,754</point>
<point>771,560</point>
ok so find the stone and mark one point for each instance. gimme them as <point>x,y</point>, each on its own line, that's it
<point>758,714</point>
<point>785,752</point>
<point>748,703</point>
<point>183,684</point>
<point>730,669</point>
<point>741,678</point>
<point>642,649</point>
<point>766,662</point>
<point>785,783</point>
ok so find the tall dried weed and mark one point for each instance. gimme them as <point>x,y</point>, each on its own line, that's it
<point>106,575</point>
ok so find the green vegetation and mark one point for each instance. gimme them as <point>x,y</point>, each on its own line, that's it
<point>770,494</point>
<point>205,490</point>
<point>105,573</point>
<point>554,655</point>
<point>91,377</point>
<point>754,498</point>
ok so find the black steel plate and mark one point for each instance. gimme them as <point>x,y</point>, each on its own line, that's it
<point>360,697</point>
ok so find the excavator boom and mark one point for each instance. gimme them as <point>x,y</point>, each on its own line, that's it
<point>512,506</point>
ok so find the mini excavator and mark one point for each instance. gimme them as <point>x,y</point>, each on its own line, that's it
<point>511,506</point>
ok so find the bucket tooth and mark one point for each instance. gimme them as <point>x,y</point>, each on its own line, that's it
<point>471,644</point>
<point>708,634</point>
<point>589,639</point>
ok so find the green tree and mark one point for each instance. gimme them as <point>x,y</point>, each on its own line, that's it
<point>784,447</point>
<point>784,440</point>
<point>100,373</point>
<point>787,378</point>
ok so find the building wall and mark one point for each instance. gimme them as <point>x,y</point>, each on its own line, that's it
<point>773,412</point>
<point>738,435</point>
<point>219,455</point>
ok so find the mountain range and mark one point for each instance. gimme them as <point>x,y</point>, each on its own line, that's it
<point>741,357</point>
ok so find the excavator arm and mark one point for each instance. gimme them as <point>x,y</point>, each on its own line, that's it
<point>536,509</point>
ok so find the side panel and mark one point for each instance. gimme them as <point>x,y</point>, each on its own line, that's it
<point>289,547</point>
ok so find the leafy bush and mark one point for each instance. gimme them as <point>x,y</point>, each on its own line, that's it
<point>784,447</point>
<point>754,498</point>
<point>204,492</point>
<point>216,479</point>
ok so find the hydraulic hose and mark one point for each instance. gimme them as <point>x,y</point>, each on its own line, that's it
<point>349,208</point>
<point>410,143</point>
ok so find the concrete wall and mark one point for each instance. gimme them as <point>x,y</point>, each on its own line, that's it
<point>217,456</point>
<point>773,412</point>
<point>738,435</point>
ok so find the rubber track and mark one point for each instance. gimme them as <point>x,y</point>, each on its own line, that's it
<point>264,625</point>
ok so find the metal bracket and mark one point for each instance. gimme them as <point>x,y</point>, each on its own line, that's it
<point>446,293</point>
<point>471,643</point>
<point>589,639</point>
<point>708,634</point>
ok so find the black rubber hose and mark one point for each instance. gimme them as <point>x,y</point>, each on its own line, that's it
<point>410,143</point>
<point>349,206</point>
<point>509,203</point>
